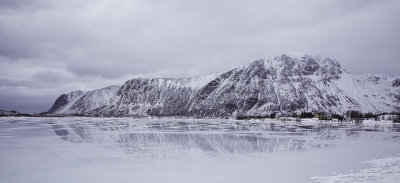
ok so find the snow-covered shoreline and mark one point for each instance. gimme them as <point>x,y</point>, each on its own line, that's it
<point>251,120</point>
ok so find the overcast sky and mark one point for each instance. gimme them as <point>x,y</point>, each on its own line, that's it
<point>50,47</point>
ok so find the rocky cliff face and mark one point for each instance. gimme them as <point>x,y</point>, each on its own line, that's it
<point>64,101</point>
<point>280,84</point>
<point>78,102</point>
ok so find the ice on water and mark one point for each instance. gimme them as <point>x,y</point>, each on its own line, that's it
<point>195,150</point>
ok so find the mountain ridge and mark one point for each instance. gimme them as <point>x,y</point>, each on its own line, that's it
<point>280,84</point>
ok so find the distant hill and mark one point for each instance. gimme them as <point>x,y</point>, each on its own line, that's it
<point>4,113</point>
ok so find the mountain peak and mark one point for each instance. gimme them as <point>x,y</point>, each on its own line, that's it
<point>297,66</point>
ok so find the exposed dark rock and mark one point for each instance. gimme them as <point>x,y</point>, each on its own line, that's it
<point>60,102</point>
<point>396,83</point>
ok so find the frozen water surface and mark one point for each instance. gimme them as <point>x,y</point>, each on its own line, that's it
<point>196,150</point>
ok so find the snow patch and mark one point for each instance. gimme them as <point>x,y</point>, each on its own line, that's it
<point>386,170</point>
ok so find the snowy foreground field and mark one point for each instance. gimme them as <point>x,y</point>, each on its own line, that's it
<point>196,150</point>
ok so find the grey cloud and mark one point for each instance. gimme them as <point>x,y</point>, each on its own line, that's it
<point>21,4</point>
<point>61,44</point>
<point>25,103</point>
<point>14,46</point>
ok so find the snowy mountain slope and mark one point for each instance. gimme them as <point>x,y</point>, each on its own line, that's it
<point>156,96</point>
<point>65,101</point>
<point>280,84</point>
<point>78,102</point>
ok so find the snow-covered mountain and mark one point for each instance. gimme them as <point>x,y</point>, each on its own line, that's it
<point>281,84</point>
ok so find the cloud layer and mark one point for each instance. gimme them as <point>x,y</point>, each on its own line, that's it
<point>50,47</point>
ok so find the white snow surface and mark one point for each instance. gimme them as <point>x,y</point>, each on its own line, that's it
<point>200,81</point>
<point>371,96</point>
<point>385,170</point>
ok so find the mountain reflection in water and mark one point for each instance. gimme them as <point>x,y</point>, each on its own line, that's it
<point>171,136</point>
